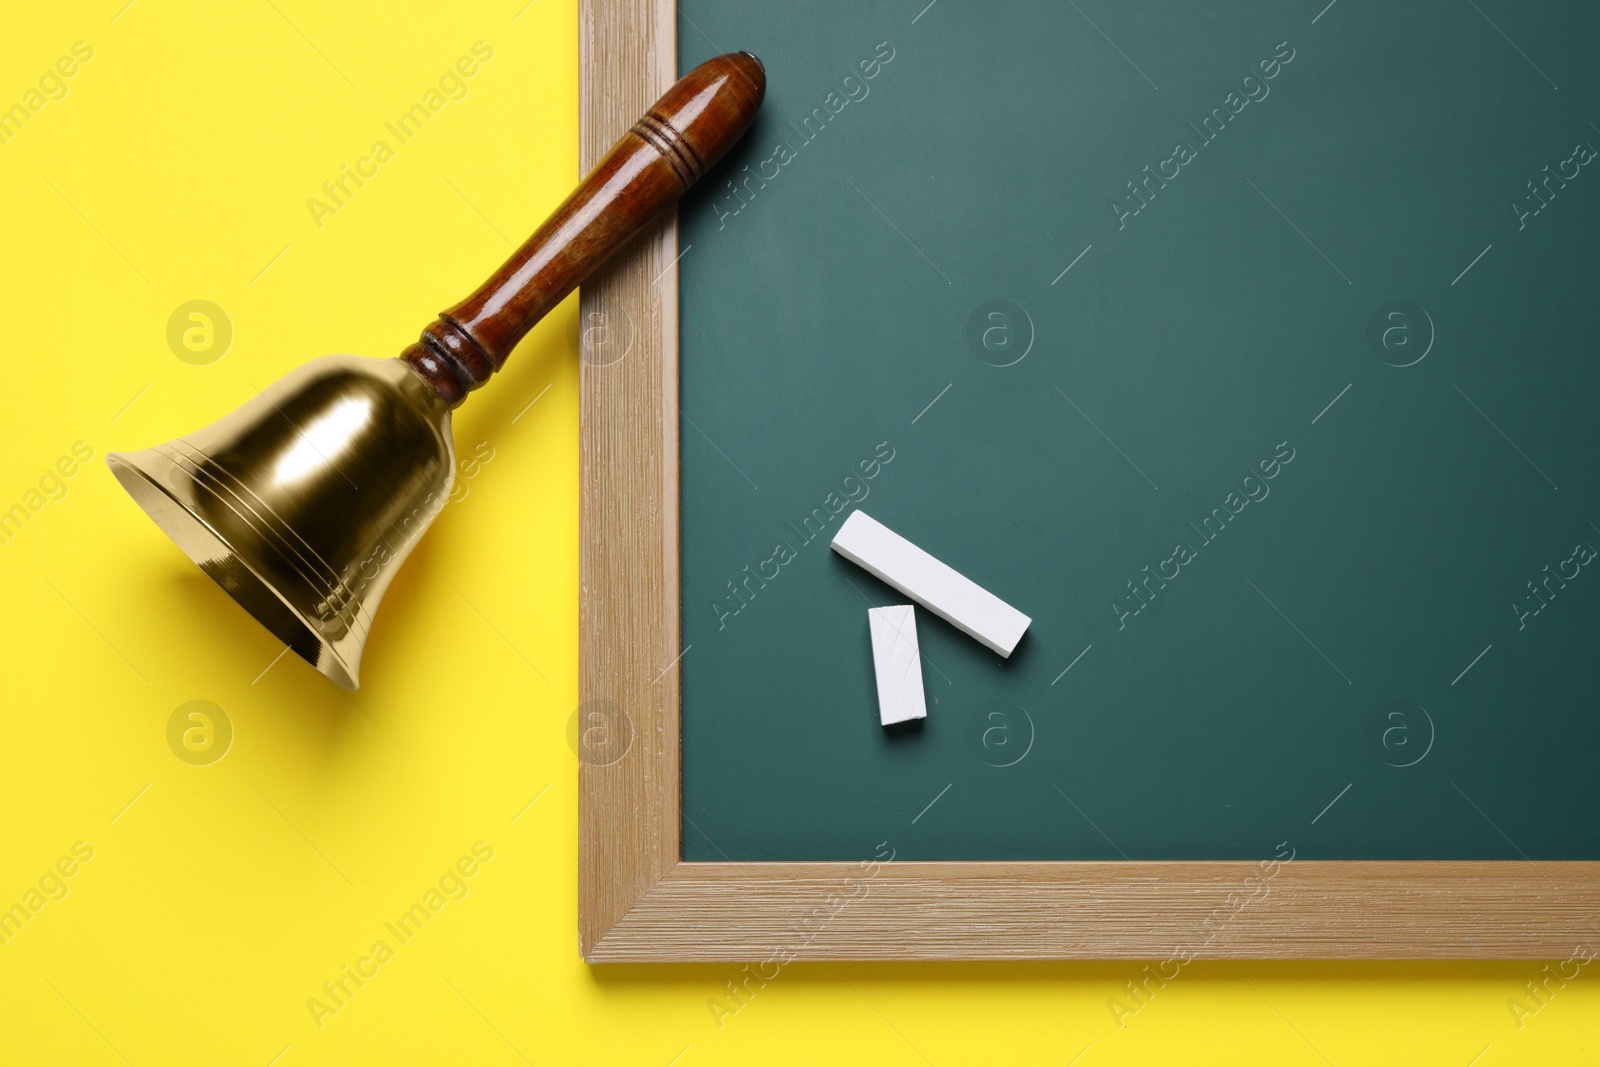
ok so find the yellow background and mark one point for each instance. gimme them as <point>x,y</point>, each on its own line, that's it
<point>220,898</point>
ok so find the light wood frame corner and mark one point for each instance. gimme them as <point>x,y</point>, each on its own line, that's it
<point>638,901</point>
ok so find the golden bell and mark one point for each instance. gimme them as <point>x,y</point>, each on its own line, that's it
<point>303,503</point>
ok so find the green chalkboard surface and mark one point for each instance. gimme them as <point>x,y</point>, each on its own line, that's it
<point>1247,347</point>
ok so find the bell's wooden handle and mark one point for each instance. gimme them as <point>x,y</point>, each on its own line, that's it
<point>666,151</point>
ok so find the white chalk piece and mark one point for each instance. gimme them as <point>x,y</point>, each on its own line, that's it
<point>958,600</point>
<point>897,664</point>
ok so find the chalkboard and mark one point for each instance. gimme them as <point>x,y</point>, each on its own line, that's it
<point>1246,347</point>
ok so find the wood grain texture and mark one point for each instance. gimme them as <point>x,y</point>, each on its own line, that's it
<point>628,813</point>
<point>1156,911</point>
<point>638,902</point>
<point>652,162</point>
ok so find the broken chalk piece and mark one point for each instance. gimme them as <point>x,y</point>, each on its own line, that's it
<point>897,664</point>
<point>958,600</point>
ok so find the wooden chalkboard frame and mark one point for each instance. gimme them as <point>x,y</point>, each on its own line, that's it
<point>638,900</point>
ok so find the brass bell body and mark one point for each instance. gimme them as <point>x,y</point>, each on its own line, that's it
<point>304,502</point>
